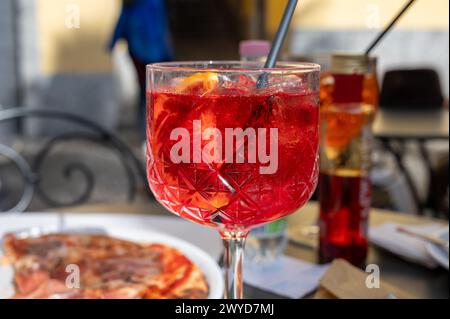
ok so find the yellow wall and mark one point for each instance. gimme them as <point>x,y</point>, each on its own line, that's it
<point>358,14</point>
<point>83,50</point>
<point>64,49</point>
<point>246,8</point>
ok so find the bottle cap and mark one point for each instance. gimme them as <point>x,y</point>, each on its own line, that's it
<point>254,48</point>
<point>350,63</point>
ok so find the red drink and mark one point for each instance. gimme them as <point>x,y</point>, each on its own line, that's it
<point>233,195</point>
<point>344,204</point>
<point>348,103</point>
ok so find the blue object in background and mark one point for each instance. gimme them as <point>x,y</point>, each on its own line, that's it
<point>144,25</point>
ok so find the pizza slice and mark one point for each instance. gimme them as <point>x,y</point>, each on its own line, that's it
<point>107,268</point>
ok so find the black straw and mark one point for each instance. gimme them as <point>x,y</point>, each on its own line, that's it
<point>389,27</point>
<point>278,40</point>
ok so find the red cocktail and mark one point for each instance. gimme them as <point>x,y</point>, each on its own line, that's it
<point>224,153</point>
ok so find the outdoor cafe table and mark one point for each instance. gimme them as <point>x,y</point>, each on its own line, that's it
<point>425,125</point>
<point>415,279</point>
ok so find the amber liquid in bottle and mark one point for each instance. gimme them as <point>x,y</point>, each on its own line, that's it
<point>347,112</point>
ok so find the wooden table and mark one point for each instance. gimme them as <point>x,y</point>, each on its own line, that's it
<point>415,279</point>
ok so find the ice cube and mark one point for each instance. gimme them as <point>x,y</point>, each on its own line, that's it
<point>289,83</point>
<point>238,84</point>
<point>176,82</point>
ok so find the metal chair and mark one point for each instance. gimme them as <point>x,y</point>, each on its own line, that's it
<point>407,90</point>
<point>438,183</point>
<point>31,171</point>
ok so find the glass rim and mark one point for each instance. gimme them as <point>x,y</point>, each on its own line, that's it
<point>246,66</point>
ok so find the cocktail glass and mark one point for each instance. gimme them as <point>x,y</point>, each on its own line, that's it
<point>228,153</point>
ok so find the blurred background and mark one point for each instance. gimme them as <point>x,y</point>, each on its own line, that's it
<point>55,56</point>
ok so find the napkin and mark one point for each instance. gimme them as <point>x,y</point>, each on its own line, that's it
<point>406,246</point>
<point>286,277</point>
<point>344,281</point>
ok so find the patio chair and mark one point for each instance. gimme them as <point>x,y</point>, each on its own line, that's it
<point>30,167</point>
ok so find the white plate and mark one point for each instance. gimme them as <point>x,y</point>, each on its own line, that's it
<point>439,253</point>
<point>209,267</point>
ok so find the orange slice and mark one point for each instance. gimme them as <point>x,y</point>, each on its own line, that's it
<point>199,83</point>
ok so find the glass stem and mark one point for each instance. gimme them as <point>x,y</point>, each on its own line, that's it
<point>234,243</point>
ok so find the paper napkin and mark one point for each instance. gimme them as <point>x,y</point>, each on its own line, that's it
<point>286,277</point>
<point>406,246</point>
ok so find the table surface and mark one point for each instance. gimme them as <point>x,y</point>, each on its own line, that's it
<point>417,280</point>
<point>431,124</point>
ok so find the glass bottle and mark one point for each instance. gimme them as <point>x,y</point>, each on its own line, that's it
<point>349,99</point>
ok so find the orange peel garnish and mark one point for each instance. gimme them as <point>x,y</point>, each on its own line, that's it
<point>199,83</point>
